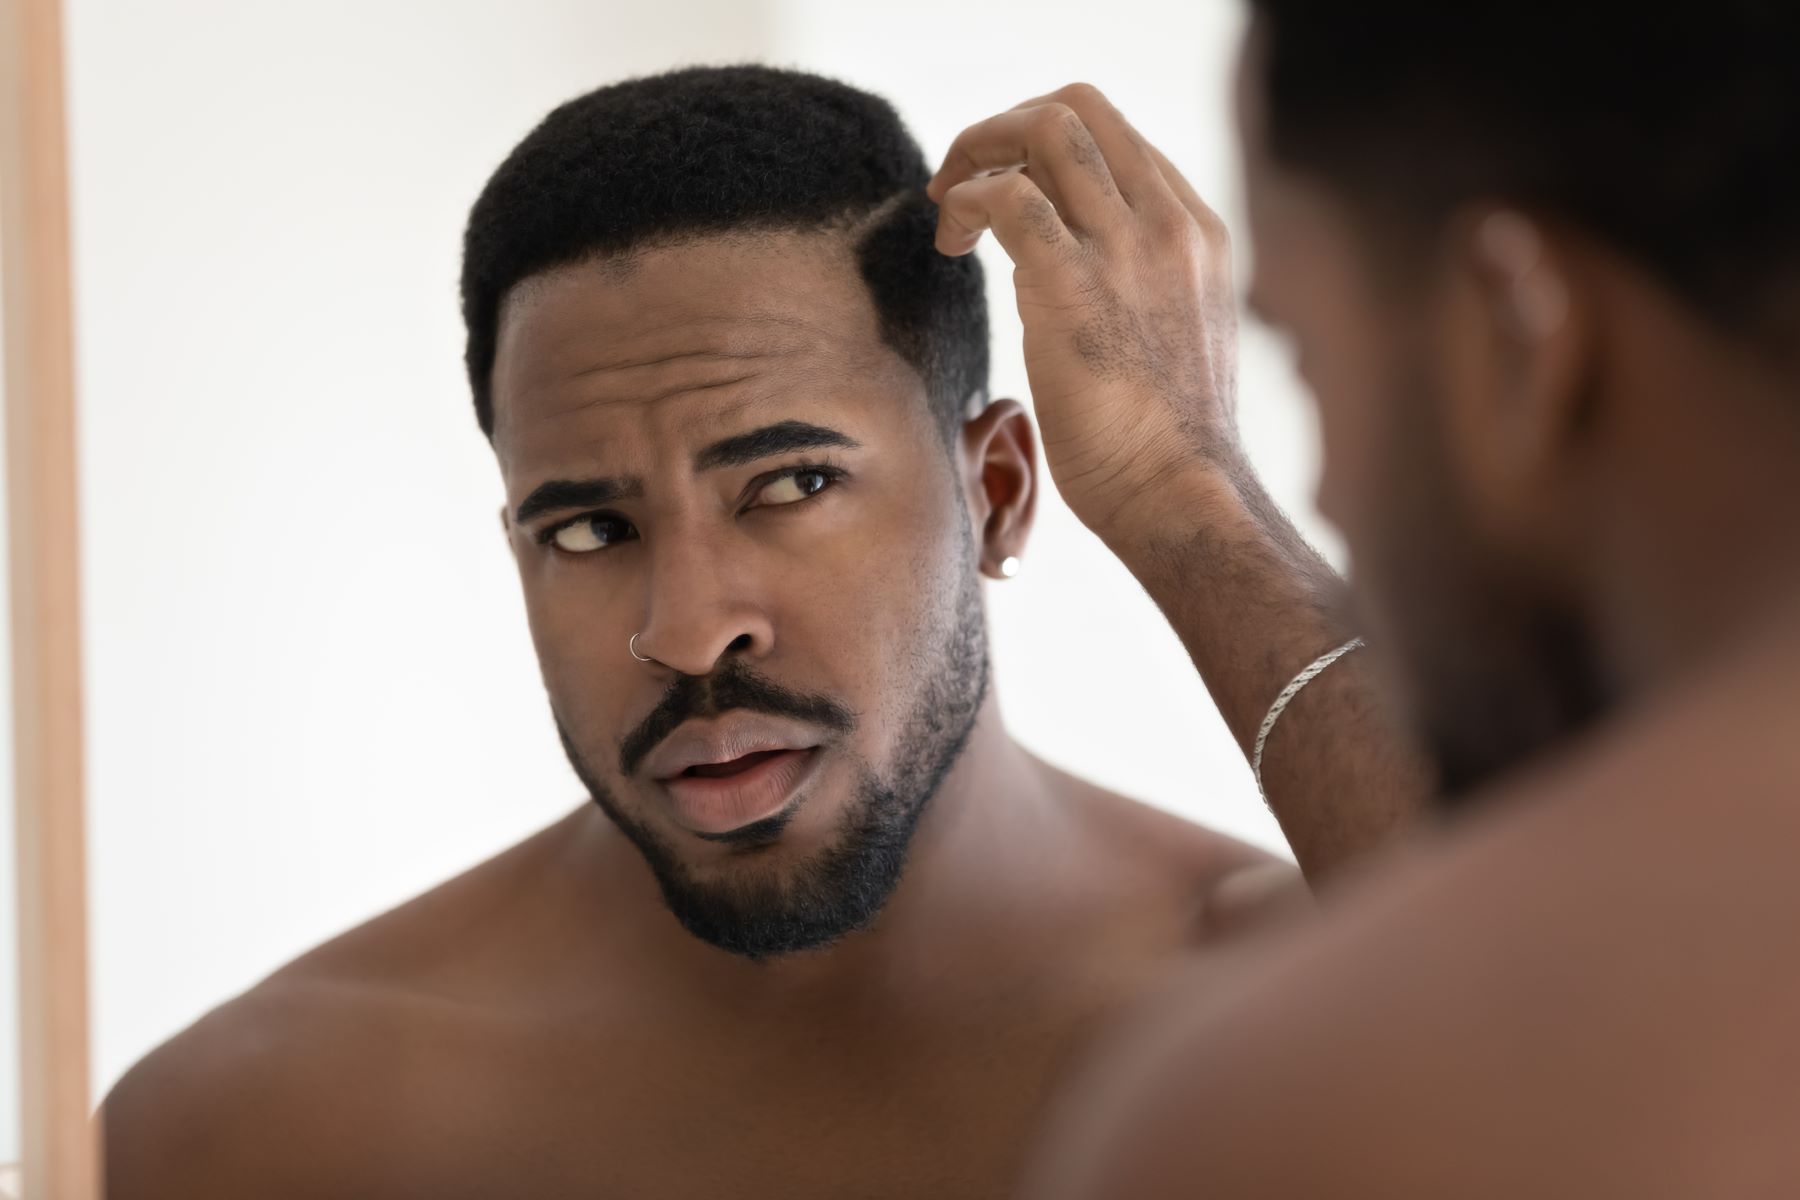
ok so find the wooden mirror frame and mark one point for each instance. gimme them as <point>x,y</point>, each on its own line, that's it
<point>59,1154</point>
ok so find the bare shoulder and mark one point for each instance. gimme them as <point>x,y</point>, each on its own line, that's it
<point>311,1080</point>
<point>1230,885</point>
<point>272,1094</point>
<point>1589,974</point>
<point>451,934</point>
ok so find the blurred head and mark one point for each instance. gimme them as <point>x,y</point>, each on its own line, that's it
<point>1499,242</point>
<point>739,405</point>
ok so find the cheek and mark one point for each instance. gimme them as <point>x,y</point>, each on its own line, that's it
<point>580,634</point>
<point>870,597</point>
<point>1382,482</point>
<point>879,607</point>
<point>1356,395</point>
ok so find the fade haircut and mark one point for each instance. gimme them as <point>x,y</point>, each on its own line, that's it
<point>711,150</point>
<point>1670,132</point>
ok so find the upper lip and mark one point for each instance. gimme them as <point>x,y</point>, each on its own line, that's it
<point>723,739</point>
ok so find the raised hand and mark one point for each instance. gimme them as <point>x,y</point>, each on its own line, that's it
<point>1124,286</point>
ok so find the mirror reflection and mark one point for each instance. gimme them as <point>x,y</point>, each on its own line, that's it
<point>615,513</point>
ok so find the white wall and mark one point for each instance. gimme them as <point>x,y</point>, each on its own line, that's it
<point>312,691</point>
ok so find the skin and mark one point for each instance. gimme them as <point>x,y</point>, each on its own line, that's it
<point>1585,987</point>
<point>542,1025</point>
<point>1124,286</point>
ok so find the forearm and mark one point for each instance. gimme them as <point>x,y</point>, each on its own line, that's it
<point>1254,604</point>
<point>1125,293</point>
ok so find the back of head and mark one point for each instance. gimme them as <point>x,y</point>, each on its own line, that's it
<point>721,150</point>
<point>1567,273</point>
<point>1669,131</point>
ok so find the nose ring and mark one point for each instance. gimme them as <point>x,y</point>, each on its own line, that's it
<point>632,646</point>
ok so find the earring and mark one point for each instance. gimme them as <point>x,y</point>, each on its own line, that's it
<point>1009,567</point>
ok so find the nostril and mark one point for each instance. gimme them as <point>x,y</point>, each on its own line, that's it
<point>739,643</point>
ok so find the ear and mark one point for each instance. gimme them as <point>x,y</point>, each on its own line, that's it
<point>1520,351</point>
<point>998,455</point>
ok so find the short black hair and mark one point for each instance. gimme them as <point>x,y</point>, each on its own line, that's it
<point>707,150</point>
<point>1671,133</point>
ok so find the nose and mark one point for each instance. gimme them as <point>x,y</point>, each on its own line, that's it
<point>698,610</point>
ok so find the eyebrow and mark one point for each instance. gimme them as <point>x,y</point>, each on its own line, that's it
<point>576,493</point>
<point>783,437</point>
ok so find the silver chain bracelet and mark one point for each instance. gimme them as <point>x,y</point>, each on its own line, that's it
<point>1287,697</point>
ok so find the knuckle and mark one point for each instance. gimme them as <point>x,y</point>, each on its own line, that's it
<point>958,156</point>
<point>1015,184</point>
<point>1080,92</point>
<point>959,203</point>
<point>1172,224</point>
<point>1053,118</point>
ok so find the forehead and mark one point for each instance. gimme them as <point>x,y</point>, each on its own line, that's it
<point>694,336</point>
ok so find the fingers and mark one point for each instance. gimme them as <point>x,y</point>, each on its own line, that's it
<point>1184,192</point>
<point>1015,208</point>
<point>1144,174</point>
<point>1052,144</point>
<point>1137,169</point>
<point>1089,165</point>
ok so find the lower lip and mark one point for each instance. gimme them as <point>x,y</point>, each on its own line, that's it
<point>721,804</point>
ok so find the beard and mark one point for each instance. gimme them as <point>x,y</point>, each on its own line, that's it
<point>1497,671</point>
<point>842,888</point>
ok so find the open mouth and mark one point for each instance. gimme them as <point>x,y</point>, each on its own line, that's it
<point>736,766</point>
<point>719,797</point>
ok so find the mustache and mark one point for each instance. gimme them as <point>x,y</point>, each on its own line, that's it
<point>731,688</point>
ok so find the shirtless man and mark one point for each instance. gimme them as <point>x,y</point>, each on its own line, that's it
<point>1541,265</point>
<point>826,930</point>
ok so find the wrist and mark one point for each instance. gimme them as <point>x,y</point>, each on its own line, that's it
<point>1169,505</point>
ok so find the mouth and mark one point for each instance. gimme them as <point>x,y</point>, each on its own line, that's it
<point>717,798</point>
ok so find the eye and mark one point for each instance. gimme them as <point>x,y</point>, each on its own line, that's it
<point>795,486</point>
<point>595,531</point>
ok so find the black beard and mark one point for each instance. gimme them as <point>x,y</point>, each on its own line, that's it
<point>1546,695</point>
<point>843,888</point>
<point>1497,671</point>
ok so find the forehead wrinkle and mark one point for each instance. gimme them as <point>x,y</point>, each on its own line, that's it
<point>722,332</point>
<point>613,368</point>
<point>732,360</point>
<point>734,391</point>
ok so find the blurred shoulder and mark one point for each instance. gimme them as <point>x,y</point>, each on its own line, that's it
<point>1580,974</point>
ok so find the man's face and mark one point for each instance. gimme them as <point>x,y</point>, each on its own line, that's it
<point>708,445</point>
<point>1493,667</point>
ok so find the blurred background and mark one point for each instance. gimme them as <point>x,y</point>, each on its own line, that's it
<point>311,689</point>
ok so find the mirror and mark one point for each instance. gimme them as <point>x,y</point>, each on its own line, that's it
<point>312,690</point>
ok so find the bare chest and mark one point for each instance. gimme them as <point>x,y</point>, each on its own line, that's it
<point>836,1110</point>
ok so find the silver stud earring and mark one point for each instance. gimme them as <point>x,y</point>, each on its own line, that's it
<point>1009,567</point>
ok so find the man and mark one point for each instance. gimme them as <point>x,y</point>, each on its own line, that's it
<point>1541,267</point>
<point>825,930</point>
